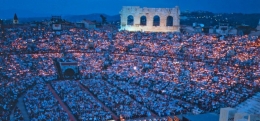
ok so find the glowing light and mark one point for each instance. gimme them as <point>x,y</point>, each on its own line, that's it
<point>135,68</point>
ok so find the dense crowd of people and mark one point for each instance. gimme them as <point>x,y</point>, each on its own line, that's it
<point>10,91</point>
<point>167,73</point>
<point>20,72</point>
<point>117,101</point>
<point>17,114</point>
<point>81,104</point>
<point>162,105</point>
<point>42,105</point>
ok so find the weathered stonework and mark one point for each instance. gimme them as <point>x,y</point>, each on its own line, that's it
<point>170,14</point>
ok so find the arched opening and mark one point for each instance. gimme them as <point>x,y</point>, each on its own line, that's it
<point>91,45</point>
<point>169,21</point>
<point>143,21</point>
<point>69,73</point>
<point>130,20</point>
<point>156,20</point>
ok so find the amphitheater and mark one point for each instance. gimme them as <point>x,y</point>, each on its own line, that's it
<point>94,75</point>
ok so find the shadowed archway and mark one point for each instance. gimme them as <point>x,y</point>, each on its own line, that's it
<point>69,73</point>
<point>130,20</point>
<point>143,21</point>
<point>156,20</point>
<point>169,21</point>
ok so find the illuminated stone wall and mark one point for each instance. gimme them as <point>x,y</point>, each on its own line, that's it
<point>149,13</point>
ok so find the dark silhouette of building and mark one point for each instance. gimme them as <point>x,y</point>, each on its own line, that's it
<point>56,19</point>
<point>56,23</point>
<point>1,28</point>
<point>1,23</point>
<point>15,20</point>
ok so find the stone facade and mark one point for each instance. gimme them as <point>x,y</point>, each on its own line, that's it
<point>134,18</point>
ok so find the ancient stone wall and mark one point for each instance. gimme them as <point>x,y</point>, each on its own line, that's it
<point>171,13</point>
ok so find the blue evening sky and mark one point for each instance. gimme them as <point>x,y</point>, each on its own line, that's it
<point>40,8</point>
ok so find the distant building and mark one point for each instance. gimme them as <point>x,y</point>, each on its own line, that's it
<point>56,19</point>
<point>223,29</point>
<point>195,28</point>
<point>36,24</point>
<point>88,24</point>
<point>187,29</point>
<point>258,26</point>
<point>227,114</point>
<point>257,31</point>
<point>15,20</point>
<point>56,23</point>
<point>1,24</point>
<point>1,28</point>
<point>198,27</point>
<point>231,114</point>
<point>80,25</point>
<point>68,25</point>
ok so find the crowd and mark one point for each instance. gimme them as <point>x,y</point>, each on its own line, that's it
<point>20,72</point>
<point>10,90</point>
<point>189,70</point>
<point>18,114</point>
<point>42,105</point>
<point>162,105</point>
<point>118,102</point>
<point>81,104</point>
<point>210,86</point>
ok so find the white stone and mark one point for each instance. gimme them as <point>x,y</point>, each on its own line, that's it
<point>149,13</point>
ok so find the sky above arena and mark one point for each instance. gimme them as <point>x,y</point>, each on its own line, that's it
<point>40,8</point>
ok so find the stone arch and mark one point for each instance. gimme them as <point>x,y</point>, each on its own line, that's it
<point>130,20</point>
<point>143,21</point>
<point>169,21</point>
<point>156,20</point>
